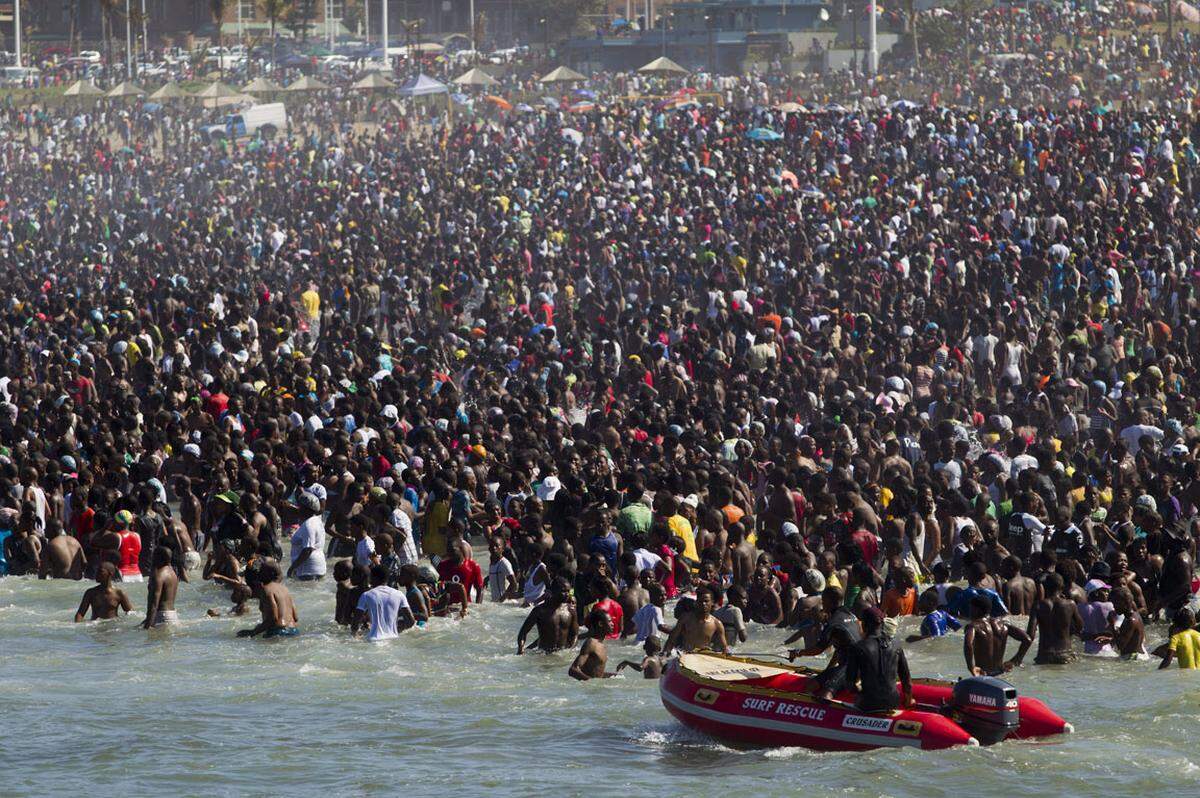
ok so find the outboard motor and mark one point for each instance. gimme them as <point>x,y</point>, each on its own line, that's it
<point>986,708</point>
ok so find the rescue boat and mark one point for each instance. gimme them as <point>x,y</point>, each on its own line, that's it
<point>750,703</point>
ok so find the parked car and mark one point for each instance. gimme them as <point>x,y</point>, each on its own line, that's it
<point>16,76</point>
<point>265,120</point>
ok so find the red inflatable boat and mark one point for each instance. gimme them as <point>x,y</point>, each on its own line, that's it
<point>748,702</point>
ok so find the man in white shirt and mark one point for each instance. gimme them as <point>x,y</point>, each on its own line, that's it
<point>308,542</point>
<point>383,608</point>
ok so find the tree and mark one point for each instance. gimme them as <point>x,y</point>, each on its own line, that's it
<point>480,33</point>
<point>274,11</point>
<point>109,11</point>
<point>301,17</point>
<point>217,9</point>
<point>910,10</point>
<point>352,15</point>
<point>564,17</point>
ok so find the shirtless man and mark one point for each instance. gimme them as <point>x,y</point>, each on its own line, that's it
<point>160,595</point>
<point>633,596</point>
<point>764,603</point>
<point>741,556</point>
<point>103,599</point>
<point>985,639</point>
<point>1058,618</point>
<point>593,656</point>
<point>555,620</point>
<point>62,556</point>
<point>1019,592</point>
<point>1129,637</point>
<point>698,628</point>
<point>279,616</point>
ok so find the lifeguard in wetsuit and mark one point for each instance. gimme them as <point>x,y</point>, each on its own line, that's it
<point>875,663</point>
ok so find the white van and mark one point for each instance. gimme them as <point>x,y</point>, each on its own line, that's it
<point>267,120</point>
<point>16,76</point>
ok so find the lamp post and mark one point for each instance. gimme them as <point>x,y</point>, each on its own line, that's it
<point>17,29</point>
<point>545,23</point>
<point>387,59</point>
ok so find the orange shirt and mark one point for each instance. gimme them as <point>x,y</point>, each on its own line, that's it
<point>898,603</point>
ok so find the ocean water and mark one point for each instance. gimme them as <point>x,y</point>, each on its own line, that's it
<point>110,709</point>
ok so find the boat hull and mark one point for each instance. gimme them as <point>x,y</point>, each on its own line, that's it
<point>745,702</point>
<point>760,716</point>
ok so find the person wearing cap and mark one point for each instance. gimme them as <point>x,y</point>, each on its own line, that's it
<point>308,542</point>
<point>1095,614</point>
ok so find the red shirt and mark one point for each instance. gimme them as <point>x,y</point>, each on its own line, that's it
<point>84,523</point>
<point>467,573</point>
<point>217,404</point>
<point>868,543</point>
<point>615,613</point>
<point>130,551</point>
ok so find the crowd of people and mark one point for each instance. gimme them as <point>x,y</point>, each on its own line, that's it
<point>912,360</point>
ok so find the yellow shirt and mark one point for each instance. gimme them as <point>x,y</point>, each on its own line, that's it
<point>1186,647</point>
<point>312,303</point>
<point>433,536</point>
<point>683,528</point>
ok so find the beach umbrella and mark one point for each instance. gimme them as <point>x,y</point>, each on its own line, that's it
<point>217,94</point>
<point>499,102</point>
<point>550,102</point>
<point>475,77</point>
<point>904,105</point>
<point>216,91</point>
<point>572,135</point>
<point>170,91</point>
<point>126,89</point>
<point>791,108</point>
<point>524,108</point>
<point>261,85</point>
<point>421,86</point>
<point>561,74</point>
<point>582,107</point>
<point>788,176</point>
<point>662,66</point>
<point>83,88</point>
<point>763,134</point>
<point>372,81</point>
<point>307,83</point>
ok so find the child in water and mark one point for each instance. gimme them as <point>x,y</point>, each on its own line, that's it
<point>344,607</point>
<point>651,666</point>
<point>938,622</point>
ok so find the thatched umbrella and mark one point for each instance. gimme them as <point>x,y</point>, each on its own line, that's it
<point>217,94</point>
<point>307,83</point>
<point>663,66</point>
<point>126,89</point>
<point>372,81</point>
<point>83,88</point>
<point>261,85</point>
<point>170,91</point>
<point>475,77</point>
<point>561,74</point>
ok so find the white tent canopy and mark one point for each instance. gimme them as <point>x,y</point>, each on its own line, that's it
<point>421,86</point>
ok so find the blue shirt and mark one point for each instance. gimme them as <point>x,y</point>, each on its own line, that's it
<point>938,623</point>
<point>960,603</point>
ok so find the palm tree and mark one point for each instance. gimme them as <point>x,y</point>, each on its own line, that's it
<point>274,10</point>
<point>910,10</point>
<point>109,11</point>
<point>217,9</point>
